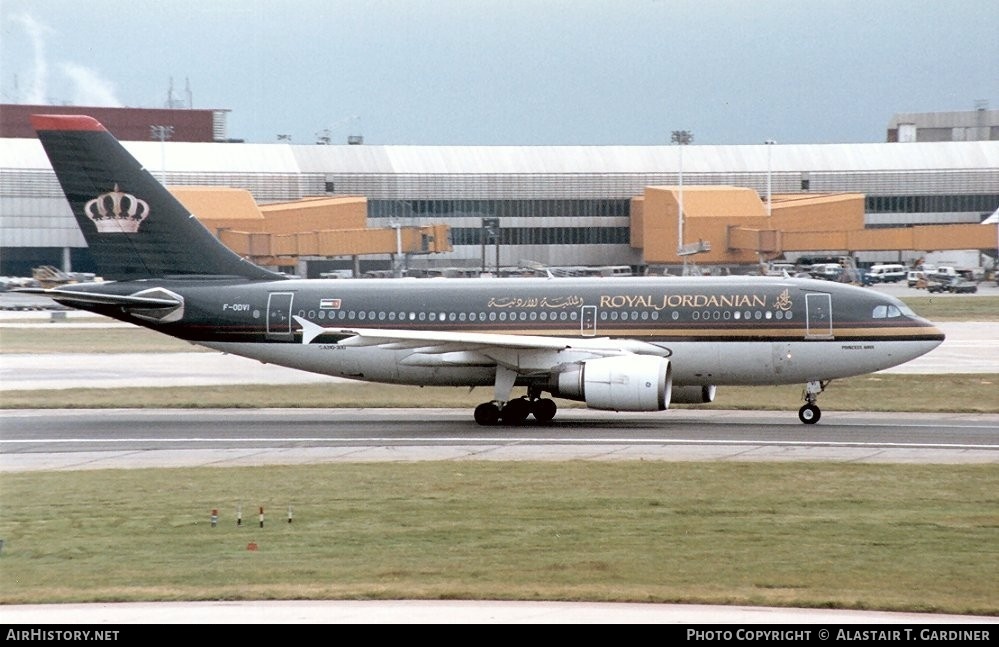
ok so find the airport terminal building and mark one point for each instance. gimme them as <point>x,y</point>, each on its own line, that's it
<point>525,205</point>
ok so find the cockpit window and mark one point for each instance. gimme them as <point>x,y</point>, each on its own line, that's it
<point>887,312</point>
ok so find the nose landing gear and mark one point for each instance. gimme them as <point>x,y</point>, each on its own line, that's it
<point>810,413</point>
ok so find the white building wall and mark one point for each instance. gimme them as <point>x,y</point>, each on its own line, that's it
<point>38,222</point>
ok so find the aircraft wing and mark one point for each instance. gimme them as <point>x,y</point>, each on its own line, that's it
<point>469,348</point>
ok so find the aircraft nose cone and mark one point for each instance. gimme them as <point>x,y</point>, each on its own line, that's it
<point>928,339</point>
<point>935,335</point>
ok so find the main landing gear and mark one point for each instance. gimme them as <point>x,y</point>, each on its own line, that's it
<point>513,412</point>
<point>810,413</point>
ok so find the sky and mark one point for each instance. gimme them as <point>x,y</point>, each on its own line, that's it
<point>513,72</point>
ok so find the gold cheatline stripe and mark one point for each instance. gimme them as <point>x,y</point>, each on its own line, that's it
<point>799,333</point>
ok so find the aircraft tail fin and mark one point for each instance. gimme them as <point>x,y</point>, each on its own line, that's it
<point>134,227</point>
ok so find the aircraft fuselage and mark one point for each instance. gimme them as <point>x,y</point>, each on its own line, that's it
<point>714,331</point>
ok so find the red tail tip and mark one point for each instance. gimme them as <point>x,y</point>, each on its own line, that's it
<point>65,122</point>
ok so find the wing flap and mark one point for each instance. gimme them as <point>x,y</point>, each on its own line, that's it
<point>459,358</point>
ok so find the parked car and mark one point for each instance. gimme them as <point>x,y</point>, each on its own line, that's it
<point>955,285</point>
<point>779,269</point>
<point>826,271</point>
<point>963,286</point>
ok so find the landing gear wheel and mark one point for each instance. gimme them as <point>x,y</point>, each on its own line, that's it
<point>544,410</point>
<point>515,411</point>
<point>809,414</point>
<point>487,414</point>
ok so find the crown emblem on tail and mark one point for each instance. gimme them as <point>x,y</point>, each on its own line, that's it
<point>117,212</point>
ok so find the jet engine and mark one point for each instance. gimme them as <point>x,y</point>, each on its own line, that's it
<point>624,383</point>
<point>693,394</point>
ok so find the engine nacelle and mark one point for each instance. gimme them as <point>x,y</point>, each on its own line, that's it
<point>632,383</point>
<point>693,394</point>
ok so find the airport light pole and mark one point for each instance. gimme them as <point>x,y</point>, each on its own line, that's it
<point>398,266</point>
<point>770,143</point>
<point>490,229</point>
<point>162,133</point>
<point>681,138</point>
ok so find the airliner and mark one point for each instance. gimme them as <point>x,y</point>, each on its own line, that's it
<point>613,343</point>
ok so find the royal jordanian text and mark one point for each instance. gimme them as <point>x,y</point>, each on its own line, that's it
<point>683,301</point>
<point>58,634</point>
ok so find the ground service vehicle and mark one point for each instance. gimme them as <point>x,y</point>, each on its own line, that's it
<point>888,273</point>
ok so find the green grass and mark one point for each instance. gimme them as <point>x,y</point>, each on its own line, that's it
<point>56,338</point>
<point>955,307</point>
<point>889,537</point>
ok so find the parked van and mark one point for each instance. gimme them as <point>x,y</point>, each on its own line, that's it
<point>943,273</point>
<point>888,273</point>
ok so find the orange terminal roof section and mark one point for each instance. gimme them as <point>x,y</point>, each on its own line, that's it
<point>732,220</point>
<point>734,223</point>
<point>278,234</point>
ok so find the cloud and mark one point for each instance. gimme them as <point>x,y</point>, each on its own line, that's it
<point>36,32</point>
<point>89,87</point>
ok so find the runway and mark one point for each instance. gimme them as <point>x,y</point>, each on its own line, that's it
<point>127,438</point>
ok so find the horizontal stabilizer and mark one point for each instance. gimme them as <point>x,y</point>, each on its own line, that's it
<point>63,295</point>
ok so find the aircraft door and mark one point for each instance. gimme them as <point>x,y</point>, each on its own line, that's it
<point>588,321</point>
<point>818,316</point>
<point>279,316</point>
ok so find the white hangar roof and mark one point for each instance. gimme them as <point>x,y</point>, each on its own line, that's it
<point>647,159</point>
<point>27,154</point>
